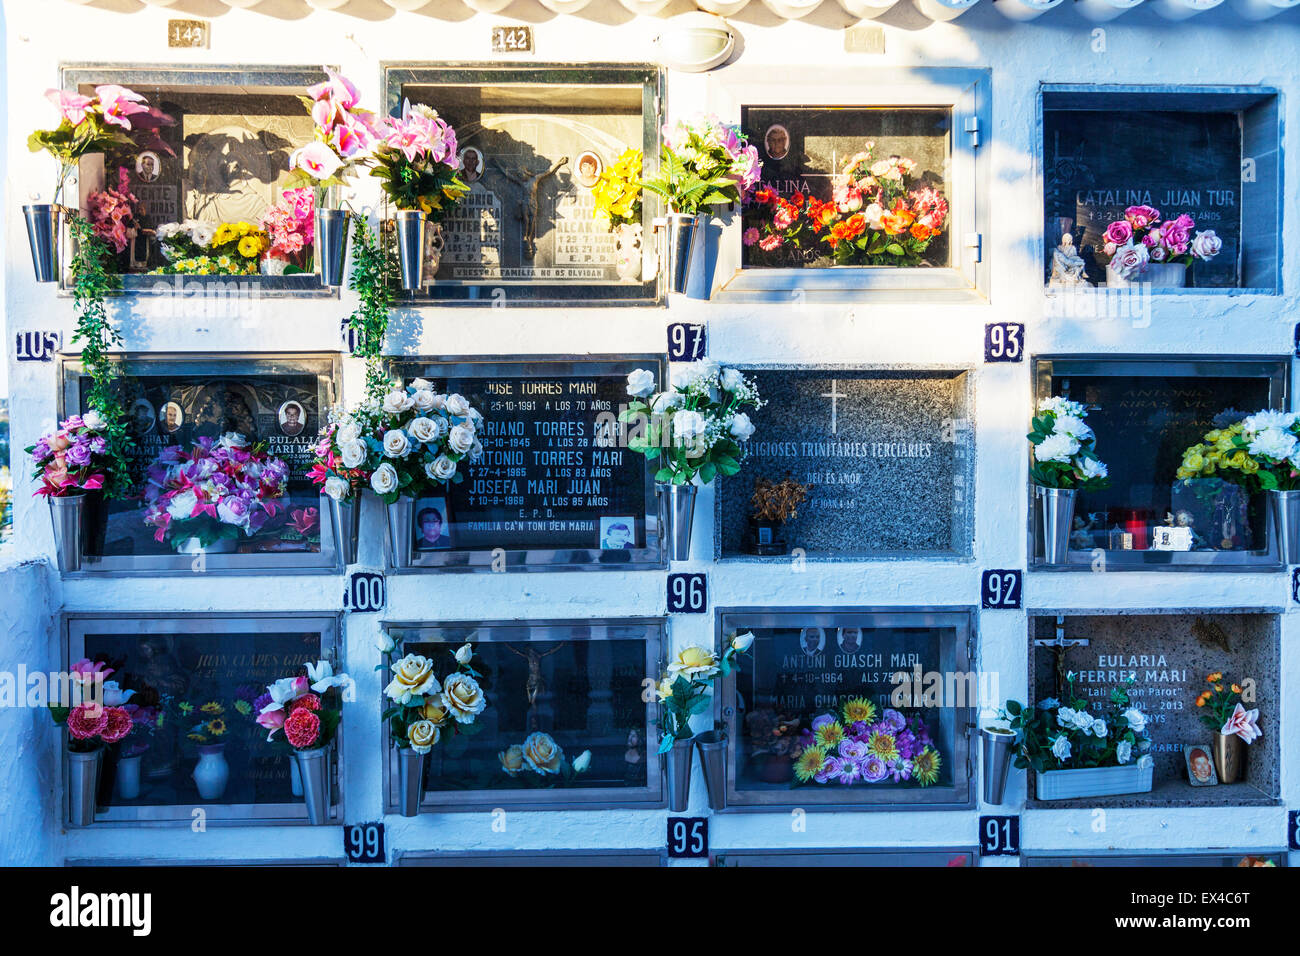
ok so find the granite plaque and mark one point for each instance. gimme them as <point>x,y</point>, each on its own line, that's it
<point>1099,162</point>
<point>1169,656</point>
<point>887,456</point>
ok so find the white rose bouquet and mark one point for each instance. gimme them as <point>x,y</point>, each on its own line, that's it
<point>1056,735</point>
<point>426,708</point>
<point>697,427</point>
<point>683,688</point>
<point>1063,447</point>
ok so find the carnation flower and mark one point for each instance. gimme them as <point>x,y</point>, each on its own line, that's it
<point>86,721</point>
<point>302,728</point>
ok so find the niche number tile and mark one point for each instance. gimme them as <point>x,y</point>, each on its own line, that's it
<point>688,838</point>
<point>512,39</point>
<point>1001,589</point>
<point>1004,342</point>
<point>366,591</point>
<point>688,593</point>
<point>364,843</point>
<point>1293,829</point>
<point>999,836</point>
<point>687,341</point>
<point>35,346</point>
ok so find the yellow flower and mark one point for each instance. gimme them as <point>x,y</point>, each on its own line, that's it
<point>665,688</point>
<point>250,246</point>
<point>858,708</point>
<point>694,661</point>
<point>542,753</point>
<point>882,745</point>
<point>830,734</point>
<point>435,711</point>
<point>216,727</point>
<point>1214,678</point>
<point>1236,688</point>
<point>925,767</point>
<point>212,707</point>
<point>809,763</point>
<point>225,233</point>
<point>512,759</point>
<point>422,735</point>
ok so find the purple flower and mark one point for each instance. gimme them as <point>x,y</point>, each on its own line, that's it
<point>1119,232</point>
<point>822,721</point>
<point>852,749</point>
<point>40,451</point>
<point>906,744</point>
<point>893,721</point>
<point>260,702</point>
<point>234,510</point>
<point>78,454</point>
<point>98,446</point>
<point>874,769</point>
<point>830,770</point>
<point>901,770</point>
<point>850,772</point>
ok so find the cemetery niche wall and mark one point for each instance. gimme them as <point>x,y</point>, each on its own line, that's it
<point>557,488</point>
<point>886,457</point>
<point>1146,411</point>
<point>194,414</point>
<point>533,142</point>
<point>556,691</point>
<point>193,679</point>
<point>849,708</point>
<point>866,857</point>
<point>1163,658</point>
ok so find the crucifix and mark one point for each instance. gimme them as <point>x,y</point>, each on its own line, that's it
<point>834,395</point>
<point>527,215</point>
<point>1058,644</point>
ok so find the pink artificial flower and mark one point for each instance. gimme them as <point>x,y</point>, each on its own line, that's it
<point>337,88</point>
<point>317,160</point>
<point>750,236</point>
<point>302,728</point>
<point>1119,232</point>
<point>118,725</point>
<point>72,106</point>
<point>118,103</point>
<point>1142,217</point>
<point>272,720</point>
<point>86,671</point>
<point>86,721</point>
<point>1243,723</point>
<point>770,243</point>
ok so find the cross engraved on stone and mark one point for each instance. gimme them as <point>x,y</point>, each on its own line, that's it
<point>834,395</point>
<point>527,214</point>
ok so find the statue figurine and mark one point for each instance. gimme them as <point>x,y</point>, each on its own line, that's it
<point>527,215</point>
<point>1067,264</point>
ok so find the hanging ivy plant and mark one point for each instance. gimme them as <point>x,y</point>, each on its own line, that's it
<point>373,279</point>
<point>92,281</point>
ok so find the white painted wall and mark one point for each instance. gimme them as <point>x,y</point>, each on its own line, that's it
<point>1214,48</point>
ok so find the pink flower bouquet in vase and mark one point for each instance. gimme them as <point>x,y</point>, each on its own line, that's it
<point>213,495</point>
<point>92,712</point>
<point>71,465</point>
<point>290,225</point>
<point>1144,248</point>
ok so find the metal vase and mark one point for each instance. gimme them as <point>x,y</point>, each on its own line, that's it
<point>401,531</point>
<point>676,517</point>
<point>1285,506</point>
<point>43,223</point>
<point>681,233</point>
<point>1055,517</point>
<point>713,761</point>
<point>68,514</point>
<point>83,784</point>
<point>314,768</point>
<point>346,516</point>
<point>410,778</point>
<point>410,248</point>
<point>996,753</point>
<point>331,244</point>
<point>1229,757</point>
<point>679,774</point>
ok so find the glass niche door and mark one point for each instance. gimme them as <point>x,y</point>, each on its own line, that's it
<point>556,691</point>
<point>850,708</point>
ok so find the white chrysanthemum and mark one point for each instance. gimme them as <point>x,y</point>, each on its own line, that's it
<point>1056,447</point>
<point>1274,443</point>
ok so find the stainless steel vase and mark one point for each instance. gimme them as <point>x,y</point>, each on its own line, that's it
<point>410,248</point>
<point>346,516</point>
<point>314,769</point>
<point>1055,516</point>
<point>996,753</point>
<point>679,774</point>
<point>401,531</point>
<point>43,225</point>
<point>331,244</point>
<point>410,780</point>
<point>681,233</point>
<point>676,517</point>
<point>68,514</point>
<point>83,785</point>
<point>713,761</point>
<point>1285,506</point>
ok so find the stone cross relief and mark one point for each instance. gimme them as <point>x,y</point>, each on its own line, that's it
<point>835,395</point>
<point>527,214</point>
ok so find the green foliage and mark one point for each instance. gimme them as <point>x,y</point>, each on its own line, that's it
<point>431,187</point>
<point>92,282</point>
<point>373,279</point>
<point>685,190</point>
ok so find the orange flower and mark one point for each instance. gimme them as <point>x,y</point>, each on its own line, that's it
<point>1200,701</point>
<point>1218,688</point>
<point>1213,678</point>
<point>897,220</point>
<point>921,232</point>
<point>821,213</point>
<point>1236,688</point>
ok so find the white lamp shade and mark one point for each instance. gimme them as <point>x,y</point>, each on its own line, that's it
<point>564,6</point>
<point>407,4</point>
<point>1182,9</point>
<point>866,9</point>
<point>792,9</point>
<point>695,42</point>
<point>326,4</point>
<point>1263,9</point>
<point>723,8</point>
<point>644,8</point>
<point>944,9</point>
<point>1024,9</point>
<point>1103,10</point>
<point>488,6</point>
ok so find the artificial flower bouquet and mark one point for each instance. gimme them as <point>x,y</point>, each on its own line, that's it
<point>682,690</point>
<point>617,192</point>
<point>184,240</point>
<point>540,761</point>
<point>859,745</point>
<point>217,490</point>
<point>697,427</point>
<point>704,162</point>
<point>307,707</point>
<point>426,708</point>
<point>416,162</point>
<point>112,213</point>
<point>340,468</point>
<point>73,459</point>
<point>1222,710</point>
<point>1260,453</point>
<point>1141,239</point>
<point>97,712</point>
<point>345,132</point>
<point>1063,447</point>
<point>411,442</point>
<point>1065,735</point>
<point>878,214</point>
<point>194,248</point>
<point>290,229</point>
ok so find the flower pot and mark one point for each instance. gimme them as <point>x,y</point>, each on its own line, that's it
<point>679,774</point>
<point>346,517</point>
<point>681,233</point>
<point>410,780</point>
<point>1285,508</point>
<point>195,546</point>
<point>765,538</point>
<point>627,251</point>
<point>401,531</point>
<point>1158,275</point>
<point>295,779</point>
<point>211,773</point>
<point>676,517</point>
<point>410,248</point>
<point>713,761</point>
<point>1229,757</point>
<point>996,753</point>
<point>331,244</point>
<point>128,777</point>
<point>44,222</point>
<point>1095,781</point>
<point>83,784</point>
<point>314,769</point>
<point>68,515</point>
<point>1055,517</point>
<point>434,243</point>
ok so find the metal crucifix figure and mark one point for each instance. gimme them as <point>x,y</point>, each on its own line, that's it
<point>527,214</point>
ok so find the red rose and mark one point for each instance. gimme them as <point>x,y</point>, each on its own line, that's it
<point>118,726</point>
<point>302,728</point>
<point>85,722</point>
<point>309,701</point>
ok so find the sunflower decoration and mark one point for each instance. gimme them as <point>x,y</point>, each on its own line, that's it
<point>829,734</point>
<point>883,746</point>
<point>809,763</point>
<point>857,709</point>
<point>925,767</point>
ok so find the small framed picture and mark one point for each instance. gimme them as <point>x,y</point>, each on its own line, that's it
<point>588,169</point>
<point>291,418</point>
<point>1166,538</point>
<point>618,533</point>
<point>812,641</point>
<point>172,417</point>
<point>432,530</point>
<point>1200,766</point>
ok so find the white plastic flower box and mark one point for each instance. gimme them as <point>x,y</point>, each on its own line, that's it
<point>1094,782</point>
